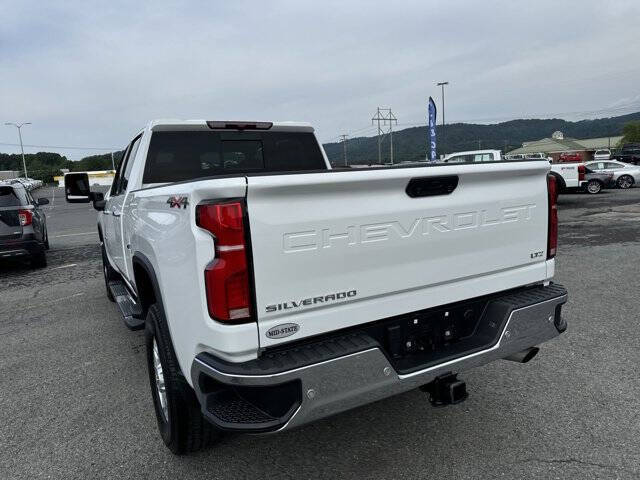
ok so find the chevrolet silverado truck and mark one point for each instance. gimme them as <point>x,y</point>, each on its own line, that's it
<point>275,290</point>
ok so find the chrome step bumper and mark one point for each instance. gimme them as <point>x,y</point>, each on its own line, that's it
<point>360,377</point>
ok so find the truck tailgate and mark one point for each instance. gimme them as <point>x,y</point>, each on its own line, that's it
<point>340,248</point>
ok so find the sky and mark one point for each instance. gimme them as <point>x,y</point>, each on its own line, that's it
<point>91,74</point>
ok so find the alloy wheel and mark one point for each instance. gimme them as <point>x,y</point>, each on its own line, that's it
<point>161,388</point>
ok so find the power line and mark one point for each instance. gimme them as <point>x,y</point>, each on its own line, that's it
<point>537,116</point>
<point>106,149</point>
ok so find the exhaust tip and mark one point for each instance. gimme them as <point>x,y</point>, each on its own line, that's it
<point>523,356</point>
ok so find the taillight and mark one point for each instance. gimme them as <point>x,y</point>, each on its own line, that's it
<point>581,172</point>
<point>26,217</point>
<point>227,277</point>
<point>552,232</point>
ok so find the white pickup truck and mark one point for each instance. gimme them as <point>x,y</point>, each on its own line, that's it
<point>569,175</point>
<point>275,291</point>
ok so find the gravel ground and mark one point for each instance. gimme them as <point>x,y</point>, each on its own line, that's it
<point>75,399</point>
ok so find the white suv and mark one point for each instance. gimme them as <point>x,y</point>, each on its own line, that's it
<point>603,154</point>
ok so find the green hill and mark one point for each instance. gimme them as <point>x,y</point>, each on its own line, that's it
<point>411,143</point>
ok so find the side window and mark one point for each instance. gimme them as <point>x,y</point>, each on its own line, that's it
<point>614,166</point>
<point>118,175</point>
<point>124,180</point>
<point>124,169</point>
<point>29,197</point>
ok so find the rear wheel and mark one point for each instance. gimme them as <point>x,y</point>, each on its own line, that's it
<point>625,181</point>
<point>46,240</point>
<point>182,426</point>
<point>594,186</point>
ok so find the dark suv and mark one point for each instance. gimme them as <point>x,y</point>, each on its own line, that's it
<point>630,153</point>
<point>23,226</point>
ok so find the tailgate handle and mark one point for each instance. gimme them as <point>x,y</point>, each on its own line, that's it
<point>431,186</point>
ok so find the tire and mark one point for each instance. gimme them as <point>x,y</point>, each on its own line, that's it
<point>108,274</point>
<point>46,240</point>
<point>625,181</point>
<point>594,187</point>
<point>182,426</point>
<point>39,260</point>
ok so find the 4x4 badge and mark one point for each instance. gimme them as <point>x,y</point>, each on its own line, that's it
<point>177,202</point>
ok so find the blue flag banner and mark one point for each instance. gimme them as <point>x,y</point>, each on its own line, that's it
<point>431,155</point>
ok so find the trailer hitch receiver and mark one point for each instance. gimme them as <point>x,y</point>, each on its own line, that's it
<point>446,390</point>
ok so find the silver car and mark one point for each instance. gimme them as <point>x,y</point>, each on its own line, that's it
<point>625,175</point>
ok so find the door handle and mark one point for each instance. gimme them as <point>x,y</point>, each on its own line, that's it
<point>115,212</point>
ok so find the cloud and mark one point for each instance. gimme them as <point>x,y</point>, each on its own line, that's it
<point>92,74</point>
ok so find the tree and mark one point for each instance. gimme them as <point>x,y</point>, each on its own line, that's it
<point>631,133</point>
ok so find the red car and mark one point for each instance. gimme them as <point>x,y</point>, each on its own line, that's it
<point>570,157</point>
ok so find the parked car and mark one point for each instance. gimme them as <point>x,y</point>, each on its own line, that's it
<point>536,156</point>
<point>629,153</point>
<point>473,156</point>
<point>570,157</point>
<point>596,181</point>
<point>23,225</point>
<point>275,292</point>
<point>603,154</point>
<point>625,175</point>
<point>514,156</point>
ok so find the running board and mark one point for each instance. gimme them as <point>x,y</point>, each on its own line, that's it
<point>130,310</point>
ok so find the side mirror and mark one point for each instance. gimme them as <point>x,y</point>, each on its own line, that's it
<point>43,201</point>
<point>76,188</point>
<point>98,200</point>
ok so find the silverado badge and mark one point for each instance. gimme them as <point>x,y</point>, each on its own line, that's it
<point>178,201</point>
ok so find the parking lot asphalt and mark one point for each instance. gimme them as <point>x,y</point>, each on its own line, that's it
<point>75,400</point>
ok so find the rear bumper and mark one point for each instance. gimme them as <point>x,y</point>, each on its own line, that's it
<point>25,246</point>
<point>318,380</point>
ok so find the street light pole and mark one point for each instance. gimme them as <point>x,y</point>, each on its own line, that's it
<point>442,84</point>
<point>19,126</point>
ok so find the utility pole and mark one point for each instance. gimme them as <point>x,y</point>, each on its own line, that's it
<point>378,117</point>
<point>392,118</point>
<point>384,118</point>
<point>442,84</point>
<point>344,147</point>
<point>19,126</point>
<point>505,147</point>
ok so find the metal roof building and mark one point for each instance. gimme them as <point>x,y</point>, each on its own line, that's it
<point>559,144</point>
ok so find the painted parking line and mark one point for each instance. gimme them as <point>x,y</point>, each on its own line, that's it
<point>57,300</point>
<point>64,266</point>
<point>74,234</point>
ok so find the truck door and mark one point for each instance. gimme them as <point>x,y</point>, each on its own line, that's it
<point>113,208</point>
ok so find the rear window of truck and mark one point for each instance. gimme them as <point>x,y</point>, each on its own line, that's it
<point>9,198</point>
<point>189,155</point>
